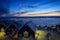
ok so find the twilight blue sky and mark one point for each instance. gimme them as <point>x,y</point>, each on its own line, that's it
<point>31,6</point>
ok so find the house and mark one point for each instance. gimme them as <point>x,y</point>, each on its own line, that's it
<point>30,27</point>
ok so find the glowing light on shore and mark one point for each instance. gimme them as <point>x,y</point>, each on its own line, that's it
<point>40,35</point>
<point>2,33</point>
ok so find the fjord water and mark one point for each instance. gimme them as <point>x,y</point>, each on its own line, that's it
<point>39,20</point>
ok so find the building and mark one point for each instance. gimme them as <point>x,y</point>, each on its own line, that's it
<point>18,26</point>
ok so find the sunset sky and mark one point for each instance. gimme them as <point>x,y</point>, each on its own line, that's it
<point>54,14</point>
<point>34,7</point>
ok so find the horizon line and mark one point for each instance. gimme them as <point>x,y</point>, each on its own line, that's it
<point>51,14</point>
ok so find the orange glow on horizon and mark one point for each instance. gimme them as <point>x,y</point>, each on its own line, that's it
<point>51,14</point>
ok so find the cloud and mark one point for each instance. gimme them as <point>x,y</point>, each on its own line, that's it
<point>4,7</point>
<point>32,6</point>
<point>40,6</point>
<point>3,10</point>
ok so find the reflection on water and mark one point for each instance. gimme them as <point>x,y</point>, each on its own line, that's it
<point>38,20</point>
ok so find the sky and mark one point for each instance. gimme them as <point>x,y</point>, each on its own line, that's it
<point>28,7</point>
<point>35,6</point>
<point>31,6</point>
